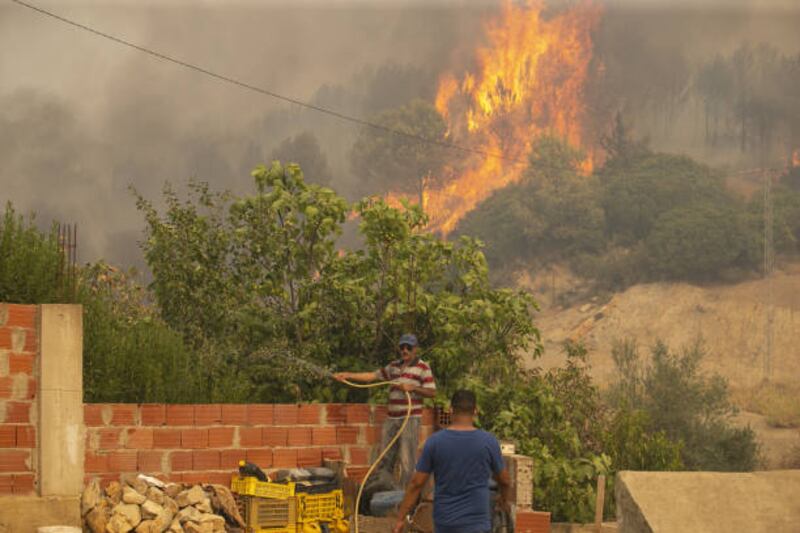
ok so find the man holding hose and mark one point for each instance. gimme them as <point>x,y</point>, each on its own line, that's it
<point>410,374</point>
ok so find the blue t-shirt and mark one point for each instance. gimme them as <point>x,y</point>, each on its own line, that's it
<point>461,463</point>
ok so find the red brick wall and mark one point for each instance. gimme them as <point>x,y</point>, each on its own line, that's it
<point>204,443</point>
<point>18,350</point>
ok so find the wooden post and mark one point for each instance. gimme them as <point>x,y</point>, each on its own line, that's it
<point>599,503</point>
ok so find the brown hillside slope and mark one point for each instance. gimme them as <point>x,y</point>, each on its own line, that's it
<point>730,319</point>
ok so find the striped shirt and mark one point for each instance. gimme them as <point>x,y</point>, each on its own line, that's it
<point>417,373</point>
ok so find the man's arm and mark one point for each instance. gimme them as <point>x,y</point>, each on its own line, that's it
<point>504,486</point>
<point>413,490</point>
<point>363,377</point>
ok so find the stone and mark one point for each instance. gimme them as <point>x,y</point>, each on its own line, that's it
<point>155,494</point>
<point>148,526</point>
<point>130,512</point>
<point>90,497</point>
<point>131,495</point>
<point>189,513</point>
<point>170,505</point>
<point>194,495</point>
<point>175,527</point>
<point>173,489</point>
<point>204,506</point>
<point>135,482</point>
<point>226,505</point>
<point>194,527</point>
<point>98,517</point>
<point>118,524</point>
<point>114,492</point>
<point>151,509</point>
<point>216,521</point>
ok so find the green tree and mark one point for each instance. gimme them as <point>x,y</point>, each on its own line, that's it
<point>386,161</point>
<point>636,193</point>
<point>701,240</point>
<point>551,214</point>
<point>30,262</point>
<point>304,150</point>
<point>259,277</point>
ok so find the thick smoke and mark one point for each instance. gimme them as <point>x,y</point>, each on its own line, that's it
<point>82,118</point>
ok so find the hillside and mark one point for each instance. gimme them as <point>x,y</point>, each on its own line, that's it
<point>730,320</point>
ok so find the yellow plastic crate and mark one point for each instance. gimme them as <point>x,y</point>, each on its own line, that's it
<point>250,486</point>
<point>325,507</point>
<point>269,515</point>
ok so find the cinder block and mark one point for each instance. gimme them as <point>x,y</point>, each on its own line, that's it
<point>309,457</point>
<point>123,414</point>
<point>93,414</point>
<point>532,522</point>
<point>262,457</point>
<point>207,414</point>
<point>299,436</point>
<point>520,470</point>
<point>122,461</point>
<point>95,464</point>
<point>284,458</point>
<point>109,438</point>
<point>23,483</point>
<point>15,461</point>
<point>8,437</point>
<point>347,435</point>
<point>249,437</point>
<point>140,438</point>
<point>153,414</point>
<point>180,461</point>
<point>194,438</point>
<point>149,462</point>
<point>335,413</point>
<point>234,414</point>
<point>180,415</point>
<point>357,413</point>
<point>308,413</point>
<point>285,414</point>
<point>323,436</point>
<point>220,437</point>
<point>166,438</point>
<point>260,414</point>
<point>26,437</point>
<point>20,363</point>
<point>273,436</point>
<point>205,460</point>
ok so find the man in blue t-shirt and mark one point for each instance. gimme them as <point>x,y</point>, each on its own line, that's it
<point>462,459</point>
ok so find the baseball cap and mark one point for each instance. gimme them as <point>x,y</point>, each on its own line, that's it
<point>408,338</point>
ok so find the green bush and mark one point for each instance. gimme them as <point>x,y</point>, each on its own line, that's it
<point>700,241</point>
<point>677,399</point>
<point>30,262</point>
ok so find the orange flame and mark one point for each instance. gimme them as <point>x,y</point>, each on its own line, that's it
<point>529,79</point>
<point>796,158</point>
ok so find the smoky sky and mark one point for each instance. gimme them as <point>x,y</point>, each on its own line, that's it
<point>82,119</point>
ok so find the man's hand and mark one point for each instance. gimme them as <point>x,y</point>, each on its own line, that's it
<point>398,527</point>
<point>407,387</point>
<point>341,376</point>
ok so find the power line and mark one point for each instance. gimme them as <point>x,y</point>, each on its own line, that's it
<point>244,85</point>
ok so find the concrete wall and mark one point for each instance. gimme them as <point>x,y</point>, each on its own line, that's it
<point>708,502</point>
<point>204,443</point>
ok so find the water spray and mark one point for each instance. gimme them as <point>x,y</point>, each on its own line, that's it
<point>325,372</point>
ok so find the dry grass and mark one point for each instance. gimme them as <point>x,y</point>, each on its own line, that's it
<point>779,403</point>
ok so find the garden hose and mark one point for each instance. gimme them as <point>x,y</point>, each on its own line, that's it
<point>388,446</point>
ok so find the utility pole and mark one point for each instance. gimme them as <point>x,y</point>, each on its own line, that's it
<point>769,267</point>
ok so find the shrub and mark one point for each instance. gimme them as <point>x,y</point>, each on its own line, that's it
<point>687,406</point>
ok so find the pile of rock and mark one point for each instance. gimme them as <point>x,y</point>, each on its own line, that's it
<point>147,505</point>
